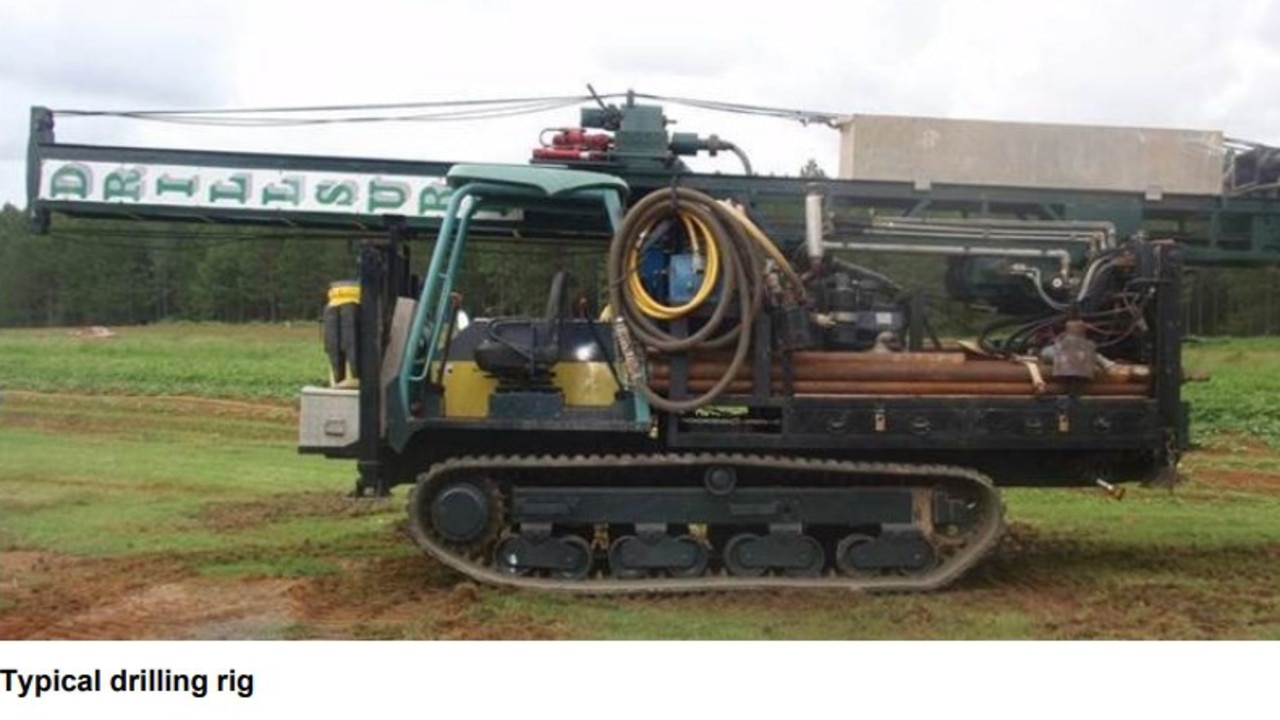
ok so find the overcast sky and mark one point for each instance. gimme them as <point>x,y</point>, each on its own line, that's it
<point>1208,65</point>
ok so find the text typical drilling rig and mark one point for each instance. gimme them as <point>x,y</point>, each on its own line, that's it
<point>753,406</point>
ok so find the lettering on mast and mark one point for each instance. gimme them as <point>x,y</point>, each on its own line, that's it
<point>266,190</point>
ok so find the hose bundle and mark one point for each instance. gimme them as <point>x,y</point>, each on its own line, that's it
<point>734,250</point>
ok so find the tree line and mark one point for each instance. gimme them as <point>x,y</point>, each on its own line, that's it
<point>122,272</point>
<point>107,272</point>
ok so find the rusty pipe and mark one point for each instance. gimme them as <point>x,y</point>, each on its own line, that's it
<point>844,358</point>
<point>978,371</point>
<point>828,387</point>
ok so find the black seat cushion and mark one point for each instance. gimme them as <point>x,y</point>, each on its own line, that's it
<point>518,347</point>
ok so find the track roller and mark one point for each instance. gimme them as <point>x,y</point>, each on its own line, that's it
<point>636,556</point>
<point>567,557</point>
<point>903,552</point>
<point>741,557</point>
<point>791,553</point>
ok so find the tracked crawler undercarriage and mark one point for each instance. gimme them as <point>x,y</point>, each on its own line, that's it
<point>615,524</point>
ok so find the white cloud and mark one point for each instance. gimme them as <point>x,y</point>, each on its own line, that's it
<point>119,53</point>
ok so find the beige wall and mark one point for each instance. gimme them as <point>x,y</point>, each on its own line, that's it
<point>932,150</point>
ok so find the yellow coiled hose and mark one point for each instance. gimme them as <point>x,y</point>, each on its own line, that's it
<point>735,252</point>
<point>703,244</point>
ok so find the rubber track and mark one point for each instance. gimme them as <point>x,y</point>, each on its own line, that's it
<point>990,522</point>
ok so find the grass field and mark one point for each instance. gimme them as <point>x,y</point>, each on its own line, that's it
<point>149,487</point>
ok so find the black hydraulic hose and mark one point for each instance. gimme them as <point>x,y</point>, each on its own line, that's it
<point>866,272</point>
<point>742,156</point>
<point>742,280</point>
<point>1020,328</point>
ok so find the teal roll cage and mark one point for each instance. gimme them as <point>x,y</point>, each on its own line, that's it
<point>479,187</point>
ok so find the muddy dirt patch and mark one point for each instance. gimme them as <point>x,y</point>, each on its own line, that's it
<point>288,506</point>
<point>46,593</point>
<point>1075,588</point>
<point>51,596</point>
<point>411,596</point>
<point>1246,480</point>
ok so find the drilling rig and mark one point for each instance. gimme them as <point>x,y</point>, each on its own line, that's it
<point>746,403</point>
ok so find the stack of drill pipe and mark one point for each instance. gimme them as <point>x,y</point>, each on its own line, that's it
<point>921,373</point>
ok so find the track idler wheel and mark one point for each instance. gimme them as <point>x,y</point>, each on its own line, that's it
<point>461,512</point>
<point>465,515</point>
<point>790,553</point>
<point>637,556</point>
<point>567,557</point>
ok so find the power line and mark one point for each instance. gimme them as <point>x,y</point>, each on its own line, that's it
<point>252,122</point>
<point>334,108</point>
<point>441,111</point>
<point>803,116</point>
<point>454,111</point>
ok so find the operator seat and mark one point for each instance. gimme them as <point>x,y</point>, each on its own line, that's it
<point>521,352</point>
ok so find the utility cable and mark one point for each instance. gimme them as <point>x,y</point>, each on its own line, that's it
<point>255,122</point>
<point>330,108</point>
<point>437,111</point>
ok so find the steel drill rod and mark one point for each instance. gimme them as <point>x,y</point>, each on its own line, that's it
<point>976,371</point>
<point>830,387</point>
<point>844,358</point>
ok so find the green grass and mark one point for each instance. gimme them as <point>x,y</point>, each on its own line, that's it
<point>166,486</point>
<point>805,616</point>
<point>91,499</point>
<point>1153,516</point>
<point>1240,396</point>
<point>210,360</point>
